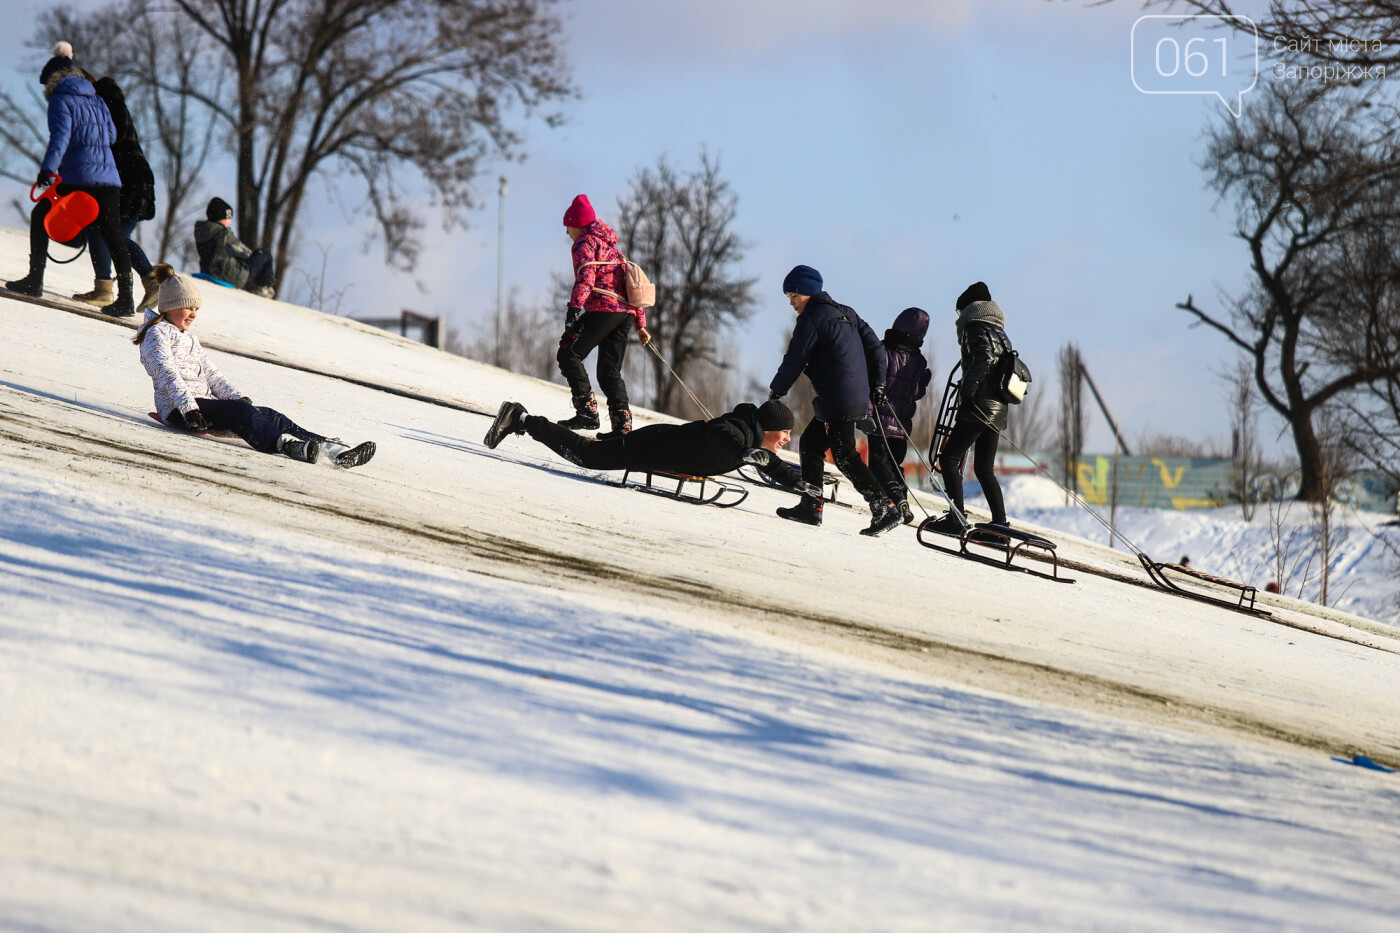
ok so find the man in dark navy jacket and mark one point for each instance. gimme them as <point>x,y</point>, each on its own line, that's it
<point>846,363</point>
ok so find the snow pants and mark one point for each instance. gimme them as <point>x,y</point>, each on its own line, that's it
<point>967,431</point>
<point>608,332</point>
<point>840,438</point>
<point>887,462</point>
<point>259,427</point>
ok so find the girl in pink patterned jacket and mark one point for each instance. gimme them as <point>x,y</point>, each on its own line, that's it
<point>192,394</point>
<point>598,316</point>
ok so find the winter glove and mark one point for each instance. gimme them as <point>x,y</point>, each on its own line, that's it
<point>572,318</point>
<point>758,456</point>
<point>195,421</point>
<point>773,396</point>
<point>812,490</point>
<point>44,176</point>
<point>879,398</point>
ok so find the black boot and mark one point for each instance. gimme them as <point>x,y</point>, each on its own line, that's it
<point>31,285</point>
<point>884,515</point>
<point>125,305</point>
<point>808,511</point>
<point>509,420</point>
<point>621,424</point>
<point>905,512</point>
<point>586,418</point>
<point>945,524</point>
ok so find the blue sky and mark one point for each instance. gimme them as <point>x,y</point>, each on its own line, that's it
<point>905,149</point>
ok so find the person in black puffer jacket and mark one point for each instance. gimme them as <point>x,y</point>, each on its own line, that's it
<point>748,434</point>
<point>138,203</point>
<point>982,414</point>
<point>846,363</point>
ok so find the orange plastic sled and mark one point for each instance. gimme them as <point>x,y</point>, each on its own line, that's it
<point>70,214</point>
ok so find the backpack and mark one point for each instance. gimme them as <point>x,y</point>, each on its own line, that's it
<point>641,293</point>
<point>1013,378</point>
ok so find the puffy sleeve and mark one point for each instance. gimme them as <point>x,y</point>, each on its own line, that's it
<point>804,339</point>
<point>218,382</point>
<point>584,252</point>
<point>60,133</point>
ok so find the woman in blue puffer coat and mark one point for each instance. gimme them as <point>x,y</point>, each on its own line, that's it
<point>81,134</point>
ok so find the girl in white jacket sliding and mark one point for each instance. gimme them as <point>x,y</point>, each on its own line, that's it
<point>191,393</point>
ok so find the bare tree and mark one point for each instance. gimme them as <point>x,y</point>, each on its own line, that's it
<point>530,351</point>
<point>1069,429</point>
<point>1242,404</point>
<point>1309,174</point>
<point>301,89</point>
<point>680,228</point>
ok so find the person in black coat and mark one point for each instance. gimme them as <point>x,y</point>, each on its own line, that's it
<point>138,203</point>
<point>982,413</point>
<point>748,434</point>
<point>845,362</point>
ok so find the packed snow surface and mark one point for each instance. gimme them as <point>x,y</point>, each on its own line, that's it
<point>469,689</point>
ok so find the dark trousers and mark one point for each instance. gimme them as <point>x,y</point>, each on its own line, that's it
<point>259,270</point>
<point>840,438</point>
<point>968,431</point>
<point>102,258</point>
<point>608,331</point>
<point>610,453</point>
<point>887,462</point>
<point>108,224</point>
<point>260,427</point>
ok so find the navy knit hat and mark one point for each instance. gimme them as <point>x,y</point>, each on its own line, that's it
<point>62,60</point>
<point>802,280</point>
<point>773,415</point>
<point>977,291</point>
<point>218,210</point>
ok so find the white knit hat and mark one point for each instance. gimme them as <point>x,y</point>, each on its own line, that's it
<point>178,291</point>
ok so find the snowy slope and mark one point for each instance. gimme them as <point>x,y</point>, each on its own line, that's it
<point>470,689</point>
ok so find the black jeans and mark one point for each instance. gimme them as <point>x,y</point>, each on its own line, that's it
<point>840,438</point>
<point>108,224</point>
<point>967,431</point>
<point>887,463</point>
<point>608,331</point>
<point>260,427</point>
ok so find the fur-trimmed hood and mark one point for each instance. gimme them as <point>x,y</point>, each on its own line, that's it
<point>83,89</point>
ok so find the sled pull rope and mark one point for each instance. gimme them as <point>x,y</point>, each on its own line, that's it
<point>1113,532</point>
<point>932,476</point>
<point>693,397</point>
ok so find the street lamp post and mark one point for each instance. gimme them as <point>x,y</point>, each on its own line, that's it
<point>500,263</point>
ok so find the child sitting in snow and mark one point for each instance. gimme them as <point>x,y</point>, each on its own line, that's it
<point>191,393</point>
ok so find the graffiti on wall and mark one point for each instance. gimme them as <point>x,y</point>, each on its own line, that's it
<point>1206,482</point>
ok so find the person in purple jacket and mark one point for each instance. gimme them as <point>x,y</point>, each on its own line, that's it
<point>81,133</point>
<point>842,357</point>
<point>907,376</point>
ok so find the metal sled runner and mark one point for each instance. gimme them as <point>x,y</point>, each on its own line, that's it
<point>708,490</point>
<point>1244,603</point>
<point>1008,543</point>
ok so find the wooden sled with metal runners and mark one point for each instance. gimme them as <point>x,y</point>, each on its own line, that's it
<point>1009,543</point>
<point>1244,603</point>
<point>721,494</point>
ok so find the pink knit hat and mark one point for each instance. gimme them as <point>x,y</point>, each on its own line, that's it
<point>580,213</point>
